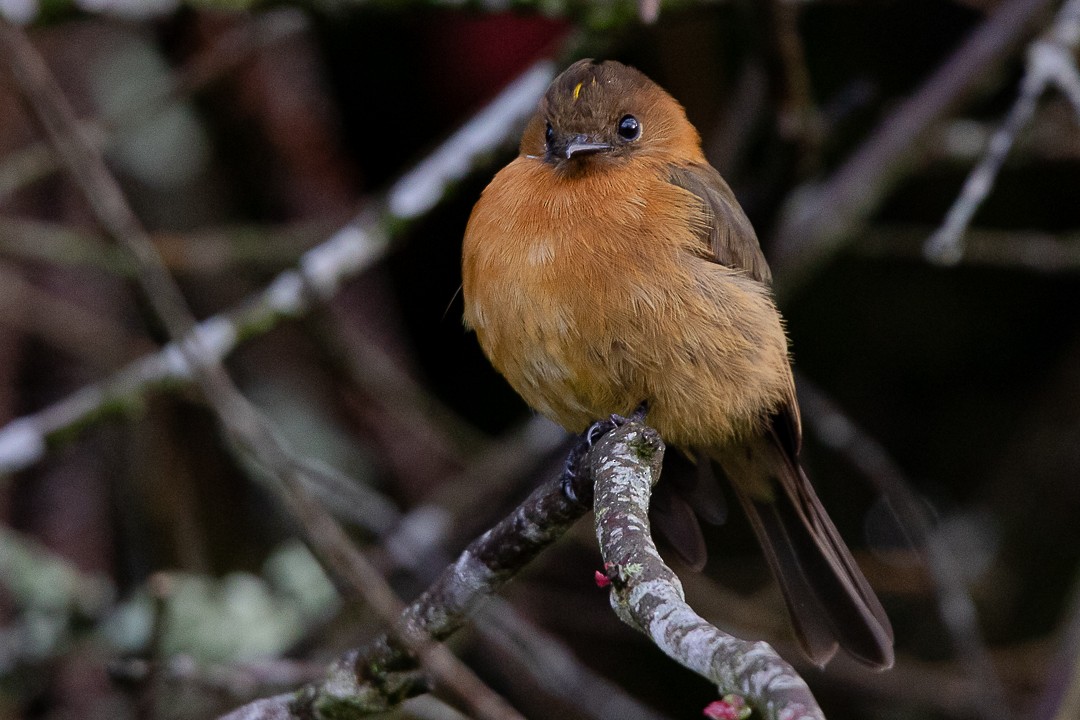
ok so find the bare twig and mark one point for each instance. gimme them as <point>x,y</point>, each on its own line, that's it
<point>819,220</point>
<point>247,430</point>
<point>555,666</point>
<point>1018,249</point>
<point>386,672</point>
<point>647,595</point>
<point>414,546</point>
<point>1050,61</point>
<point>1060,695</point>
<point>37,161</point>
<point>213,251</point>
<point>322,270</point>
<point>334,549</point>
<point>78,330</point>
<point>798,119</point>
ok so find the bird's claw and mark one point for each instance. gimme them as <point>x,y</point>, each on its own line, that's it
<point>585,444</point>
<point>571,470</point>
<point>600,428</point>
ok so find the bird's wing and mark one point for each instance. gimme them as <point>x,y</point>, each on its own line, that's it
<point>726,234</point>
<point>728,238</point>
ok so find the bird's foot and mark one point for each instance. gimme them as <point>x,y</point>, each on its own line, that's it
<point>575,475</point>
<point>600,428</point>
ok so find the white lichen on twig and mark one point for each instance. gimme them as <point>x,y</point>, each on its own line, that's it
<point>647,595</point>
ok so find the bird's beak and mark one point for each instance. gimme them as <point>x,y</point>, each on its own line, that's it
<point>583,145</point>
<point>578,145</point>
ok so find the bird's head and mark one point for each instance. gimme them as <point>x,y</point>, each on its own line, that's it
<point>598,113</point>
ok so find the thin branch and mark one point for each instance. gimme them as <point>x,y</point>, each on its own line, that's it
<point>414,545</point>
<point>386,672</point>
<point>249,433</point>
<point>74,328</point>
<point>821,219</point>
<point>1060,694</point>
<point>321,271</point>
<point>37,161</point>
<point>1050,61</point>
<point>555,667</point>
<point>1024,249</point>
<point>798,118</point>
<point>648,596</point>
<point>362,580</point>
<point>213,251</point>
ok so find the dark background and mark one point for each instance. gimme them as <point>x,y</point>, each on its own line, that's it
<point>967,376</point>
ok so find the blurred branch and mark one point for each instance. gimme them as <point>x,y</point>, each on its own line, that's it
<point>1027,249</point>
<point>99,341</point>
<point>249,433</point>
<point>1061,692</point>
<point>555,666</point>
<point>235,679</point>
<point>955,605</point>
<point>386,672</point>
<point>321,271</point>
<point>821,218</point>
<point>213,251</point>
<point>38,160</point>
<point>648,596</point>
<point>798,119</point>
<point>1051,137</point>
<point>1050,61</point>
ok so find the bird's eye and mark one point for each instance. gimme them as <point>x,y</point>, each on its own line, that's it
<point>629,128</point>
<point>549,135</point>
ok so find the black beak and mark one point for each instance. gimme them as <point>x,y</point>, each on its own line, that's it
<point>577,145</point>
<point>580,145</point>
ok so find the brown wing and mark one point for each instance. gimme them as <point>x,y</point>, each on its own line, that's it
<point>727,233</point>
<point>730,240</point>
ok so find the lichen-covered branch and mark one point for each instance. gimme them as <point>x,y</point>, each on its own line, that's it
<point>387,668</point>
<point>386,672</point>
<point>647,595</point>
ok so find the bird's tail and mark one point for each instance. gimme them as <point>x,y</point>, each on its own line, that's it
<point>829,600</point>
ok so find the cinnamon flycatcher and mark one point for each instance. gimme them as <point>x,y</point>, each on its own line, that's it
<point>610,265</point>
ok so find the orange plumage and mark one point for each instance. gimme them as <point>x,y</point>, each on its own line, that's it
<point>610,265</point>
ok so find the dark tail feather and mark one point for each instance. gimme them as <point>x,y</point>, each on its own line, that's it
<point>689,492</point>
<point>828,598</point>
<point>672,517</point>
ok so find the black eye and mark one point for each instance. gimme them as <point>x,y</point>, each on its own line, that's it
<point>629,128</point>
<point>549,134</point>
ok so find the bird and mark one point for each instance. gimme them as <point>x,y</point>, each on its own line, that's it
<point>610,267</point>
